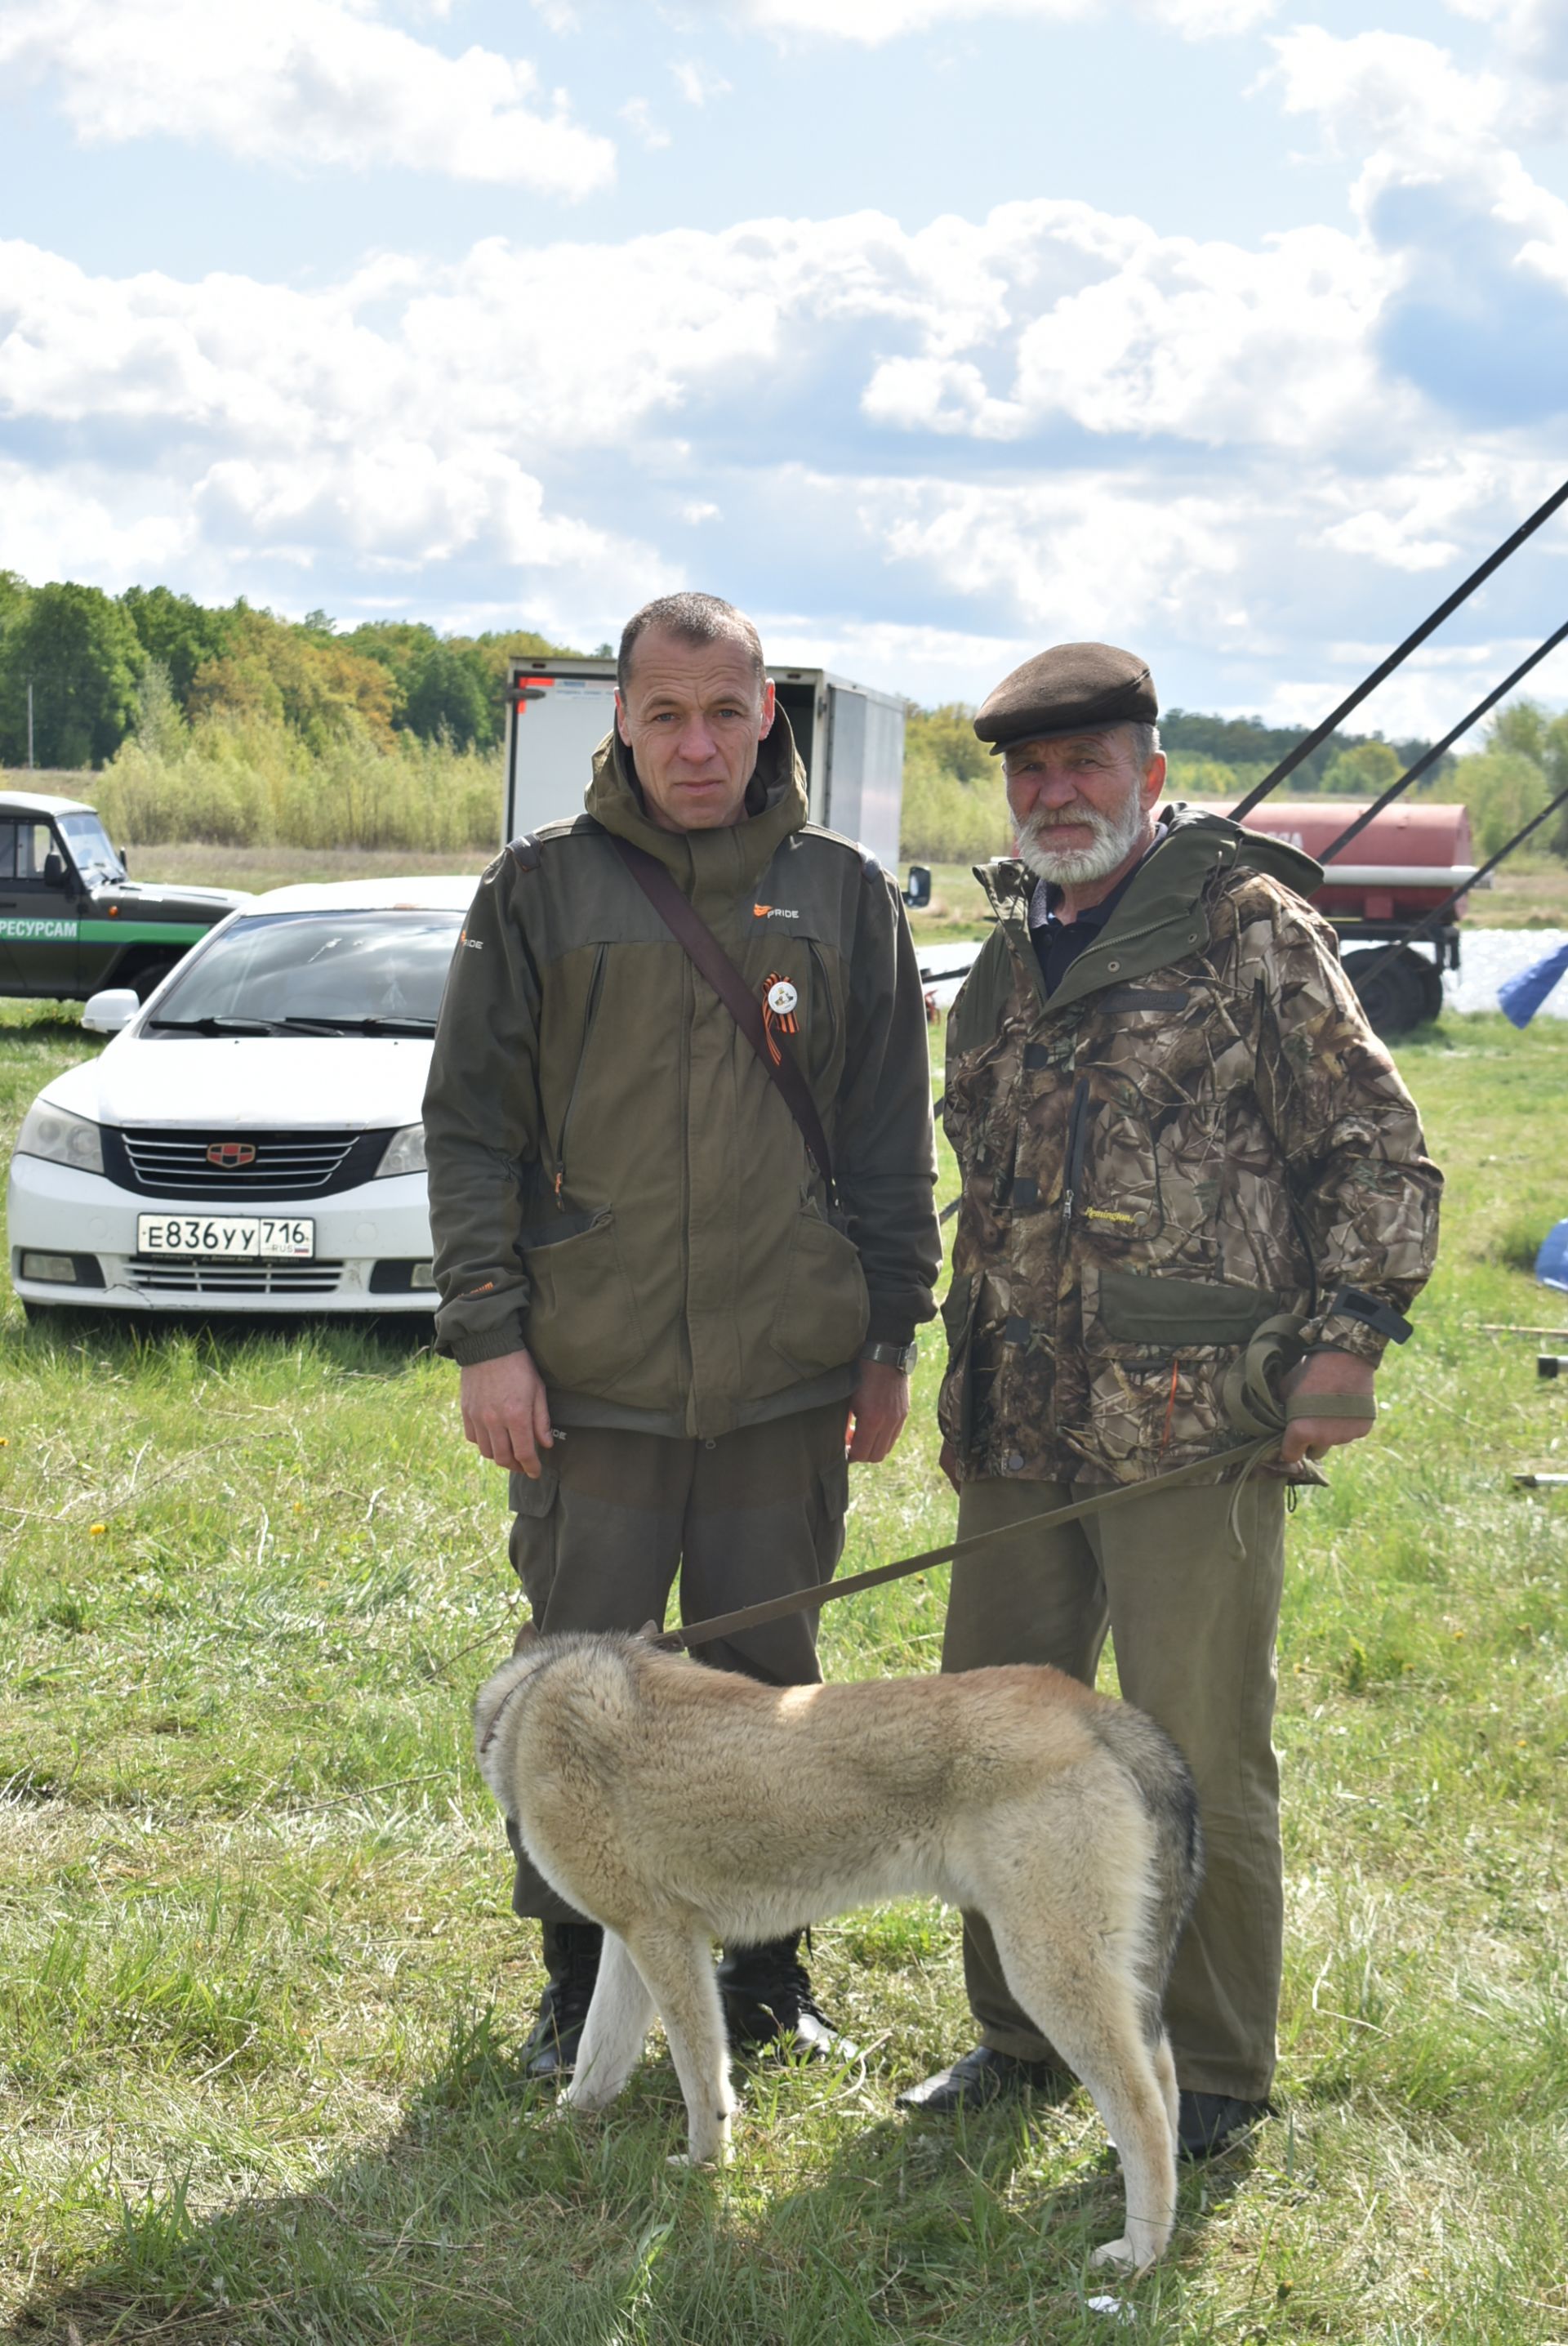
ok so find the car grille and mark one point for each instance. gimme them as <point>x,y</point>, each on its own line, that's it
<point>164,1164</point>
<point>177,1274</point>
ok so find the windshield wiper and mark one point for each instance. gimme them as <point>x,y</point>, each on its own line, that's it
<point>219,1025</point>
<point>327,1025</point>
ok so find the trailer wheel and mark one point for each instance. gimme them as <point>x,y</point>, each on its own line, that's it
<point>1407,992</point>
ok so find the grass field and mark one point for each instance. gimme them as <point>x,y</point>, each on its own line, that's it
<point>261,1992</point>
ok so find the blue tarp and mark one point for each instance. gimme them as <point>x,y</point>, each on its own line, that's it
<point>1552,1262</point>
<point>1521,997</point>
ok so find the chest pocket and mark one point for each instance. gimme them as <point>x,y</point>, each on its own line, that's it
<point>1120,1199</point>
<point>1149,1062</point>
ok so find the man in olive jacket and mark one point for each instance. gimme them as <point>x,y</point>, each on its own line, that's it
<point>1173,1124</point>
<point>663,1321</point>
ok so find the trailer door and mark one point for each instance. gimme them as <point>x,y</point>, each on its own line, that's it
<point>558,723</point>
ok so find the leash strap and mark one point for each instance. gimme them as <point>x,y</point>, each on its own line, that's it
<point>801,1600</point>
<point>702,948</point>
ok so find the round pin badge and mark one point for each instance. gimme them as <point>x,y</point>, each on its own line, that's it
<point>781,997</point>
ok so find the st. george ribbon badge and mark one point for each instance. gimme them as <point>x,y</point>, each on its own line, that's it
<point>779,1000</point>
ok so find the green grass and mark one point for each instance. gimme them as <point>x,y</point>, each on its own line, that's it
<point>261,1992</point>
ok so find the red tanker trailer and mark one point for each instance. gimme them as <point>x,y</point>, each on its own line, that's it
<point>1404,863</point>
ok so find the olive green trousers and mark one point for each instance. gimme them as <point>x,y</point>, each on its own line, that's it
<point>1187,1586</point>
<point>598,1539</point>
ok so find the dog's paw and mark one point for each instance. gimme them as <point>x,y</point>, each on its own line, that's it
<point>1120,2253</point>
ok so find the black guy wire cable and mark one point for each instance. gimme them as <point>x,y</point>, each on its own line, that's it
<point>1310,741</point>
<point>1365,977</point>
<point>1440,749</point>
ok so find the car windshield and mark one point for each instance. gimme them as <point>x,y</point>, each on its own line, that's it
<point>285,972</point>
<point>91,853</point>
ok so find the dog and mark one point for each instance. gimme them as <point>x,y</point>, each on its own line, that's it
<point>676,1805</point>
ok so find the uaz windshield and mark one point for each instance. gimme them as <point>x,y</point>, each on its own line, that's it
<point>91,853</point>
<point>296,971</point>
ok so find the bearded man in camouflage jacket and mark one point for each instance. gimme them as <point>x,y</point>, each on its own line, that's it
<point>1173,1124</point>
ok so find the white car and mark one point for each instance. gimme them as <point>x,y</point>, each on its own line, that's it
<point>251,1140</point>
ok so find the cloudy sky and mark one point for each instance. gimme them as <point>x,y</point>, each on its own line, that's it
<point>930,331</point>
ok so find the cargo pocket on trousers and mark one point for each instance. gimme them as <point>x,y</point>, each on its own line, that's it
<point>534,1501</point>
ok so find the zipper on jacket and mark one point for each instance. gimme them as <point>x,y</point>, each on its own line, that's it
<point>1077,1141</point>
<point>819,968</point>
<point>594,982</point>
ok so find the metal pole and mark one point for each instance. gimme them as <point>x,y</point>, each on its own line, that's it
<point>29,724</point>
<point>1365,977</point>
<point>1310,741</point>
<point>1440,749</point>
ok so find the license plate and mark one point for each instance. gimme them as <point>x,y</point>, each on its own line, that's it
<point>259,1235</point>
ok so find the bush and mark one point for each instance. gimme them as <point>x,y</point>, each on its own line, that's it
<point>948,821</point>
<point>254,782</point>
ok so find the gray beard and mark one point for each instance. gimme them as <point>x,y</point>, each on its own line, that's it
<point>1115,837</point>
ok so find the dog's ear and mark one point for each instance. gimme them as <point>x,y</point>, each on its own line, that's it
<point>651,1631</point>
<point>526,1636</point>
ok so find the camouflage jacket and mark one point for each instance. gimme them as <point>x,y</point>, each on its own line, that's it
<point>1196,1131</point>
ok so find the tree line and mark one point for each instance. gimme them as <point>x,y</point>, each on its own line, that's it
<point>230,724</point>
<point>74,662</point>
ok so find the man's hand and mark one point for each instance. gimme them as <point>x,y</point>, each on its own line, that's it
<point>505,1412</point>
<point>877,1408</point>
<point>1325,1372</point>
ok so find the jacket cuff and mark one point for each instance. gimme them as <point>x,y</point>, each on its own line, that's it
<point>889,1326</point>
<point>1337,1332</point>
<point>469,1350</point>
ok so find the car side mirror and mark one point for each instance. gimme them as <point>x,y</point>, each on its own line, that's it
<point>54,870</point>
<point>918,891</point>
<point>123,854</point>
<point>108,1011</point>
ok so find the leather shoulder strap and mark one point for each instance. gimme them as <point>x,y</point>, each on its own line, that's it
<point>697,939</point>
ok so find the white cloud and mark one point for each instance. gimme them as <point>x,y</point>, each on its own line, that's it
<point>872,21</point>
<point>638,114</point>
<point>951,443</point>
<point>303,83</point>
<point>696,84</point>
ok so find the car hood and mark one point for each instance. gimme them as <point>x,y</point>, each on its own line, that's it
<point>250,1083</point>
<point>171,901</point>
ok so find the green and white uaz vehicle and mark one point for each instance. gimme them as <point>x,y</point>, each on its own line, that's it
<point>72,921</point>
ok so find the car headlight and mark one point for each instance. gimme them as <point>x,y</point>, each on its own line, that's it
<point>62,1137</point>
<point>404,1152</point>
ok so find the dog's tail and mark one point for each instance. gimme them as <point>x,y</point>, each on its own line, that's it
<point>1168,1798</point>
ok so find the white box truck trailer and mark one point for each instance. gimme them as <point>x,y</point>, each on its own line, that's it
<point>850,740</point>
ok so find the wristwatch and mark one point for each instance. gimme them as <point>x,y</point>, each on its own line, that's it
<point>892,1356</point>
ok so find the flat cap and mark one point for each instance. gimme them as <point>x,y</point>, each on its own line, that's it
<point>1070,688</point>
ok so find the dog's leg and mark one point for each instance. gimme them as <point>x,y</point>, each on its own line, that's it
<point>1091,2016</point>
<point>1164,2072</point>
<point>619,2020</point>
<point>678,1967</point>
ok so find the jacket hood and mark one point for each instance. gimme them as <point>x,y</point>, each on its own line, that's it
<point>775,805</point>
<point>1255,851</point>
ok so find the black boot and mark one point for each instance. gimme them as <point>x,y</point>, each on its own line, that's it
<point>768,2006</point>
<point>985,2076</point>
<point>1209,2124</point>
<point>572,1960</point>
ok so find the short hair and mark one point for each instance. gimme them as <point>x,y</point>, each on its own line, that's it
<point>695,619</point>
<point>1146,741</point>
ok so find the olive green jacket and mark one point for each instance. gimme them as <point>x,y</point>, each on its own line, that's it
<point>616,1183</point>
<point>1197,1130</point>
